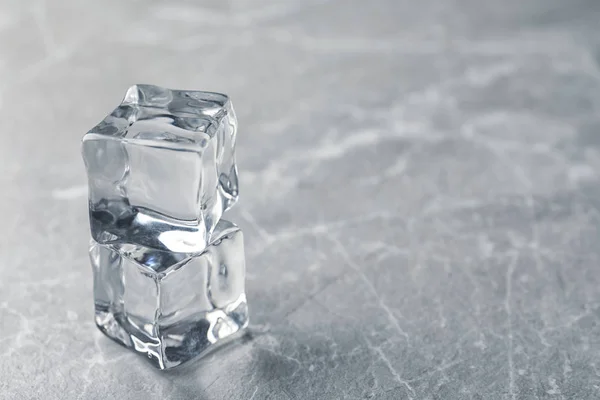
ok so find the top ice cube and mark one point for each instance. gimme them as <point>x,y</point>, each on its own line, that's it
<point>161,168</point>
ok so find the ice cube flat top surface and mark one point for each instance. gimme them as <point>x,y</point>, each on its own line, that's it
<point>152,113</point>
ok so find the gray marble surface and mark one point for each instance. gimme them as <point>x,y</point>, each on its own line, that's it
<point>420,194</point>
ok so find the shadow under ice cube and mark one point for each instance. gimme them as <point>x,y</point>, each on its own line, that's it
<point>161,168</point>
<point>171,306</point>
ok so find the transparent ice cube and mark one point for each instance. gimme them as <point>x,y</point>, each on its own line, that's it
<point>171,306</point>
<point>161,168</point>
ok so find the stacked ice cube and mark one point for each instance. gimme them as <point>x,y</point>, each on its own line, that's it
<point>168,271</point>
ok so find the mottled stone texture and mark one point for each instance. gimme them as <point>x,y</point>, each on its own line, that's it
<point>421,191</point>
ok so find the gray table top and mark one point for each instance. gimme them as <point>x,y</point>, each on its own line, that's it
<point>420,194</point>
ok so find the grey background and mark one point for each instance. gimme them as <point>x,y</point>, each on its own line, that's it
<point>420,194</point>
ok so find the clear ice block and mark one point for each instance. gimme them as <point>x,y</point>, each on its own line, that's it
<point>171,306</point>
<point>161,168</point>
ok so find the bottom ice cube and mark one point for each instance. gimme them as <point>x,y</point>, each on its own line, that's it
<point>169,306</point>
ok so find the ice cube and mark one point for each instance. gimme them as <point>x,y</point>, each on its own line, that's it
<point>171,306</point>
<point>161,168</point>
